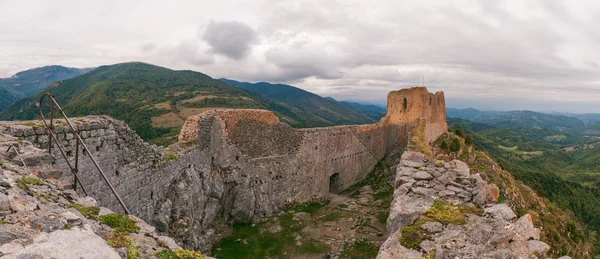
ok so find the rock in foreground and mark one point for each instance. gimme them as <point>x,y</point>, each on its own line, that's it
<point>453,214</point>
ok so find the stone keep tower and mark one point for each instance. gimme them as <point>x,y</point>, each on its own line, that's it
<point>406,107</point>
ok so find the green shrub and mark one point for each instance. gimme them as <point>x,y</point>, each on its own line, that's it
<point>444,145</point>
<point>121,225</point>
<point>468,140</point>
<point>455,146</point>
<point>460,133</point>
<point>333,216</point>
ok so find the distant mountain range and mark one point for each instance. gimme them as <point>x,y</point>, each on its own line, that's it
<point>528,120</point>
<point>155,101</point>
<point>327,110</point>
<point>30,82</point>
<point>585,117</point>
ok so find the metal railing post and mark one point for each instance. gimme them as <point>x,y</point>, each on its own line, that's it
<point>79,141</point>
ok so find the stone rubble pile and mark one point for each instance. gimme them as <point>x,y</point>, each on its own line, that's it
<point>497,233</point>
<point>39,218</point>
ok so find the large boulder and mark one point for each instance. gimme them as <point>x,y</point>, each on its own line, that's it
<point>61,244</point>
<point>405,210</point>
<point>392,249</point>
<point>500,211</point>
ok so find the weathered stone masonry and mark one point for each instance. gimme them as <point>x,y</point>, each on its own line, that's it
<point>235,164</point>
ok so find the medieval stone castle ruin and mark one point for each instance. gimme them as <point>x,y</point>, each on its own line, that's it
<point>234,165</point>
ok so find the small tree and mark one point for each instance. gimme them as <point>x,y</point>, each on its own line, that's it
<point>468,140</point>
<point>444,145</point>
<point>455,146</point>
<point>460,133</point>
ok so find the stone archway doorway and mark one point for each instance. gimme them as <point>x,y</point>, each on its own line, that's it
<point>334,183</point>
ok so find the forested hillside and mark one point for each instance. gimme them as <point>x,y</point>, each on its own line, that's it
<point>527,120</point>
<point>328,110</point>
<point>568,178</point>
<point>32,81</point>
<point>372,111</point>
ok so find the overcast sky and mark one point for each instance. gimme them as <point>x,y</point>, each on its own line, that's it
<point>538,55</point>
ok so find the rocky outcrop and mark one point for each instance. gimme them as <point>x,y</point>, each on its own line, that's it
<point>42,219</point>
<point>473,225</point>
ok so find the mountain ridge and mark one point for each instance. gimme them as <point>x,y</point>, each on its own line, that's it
<point>29,82</point>
<point>329,110</point>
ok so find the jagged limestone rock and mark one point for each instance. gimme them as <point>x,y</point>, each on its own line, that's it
<point>500,211</point>
<point>42,220</point>
<point>492,233</point>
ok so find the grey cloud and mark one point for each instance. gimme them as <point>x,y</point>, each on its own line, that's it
<point>297,62</point>
<point>231,39</point>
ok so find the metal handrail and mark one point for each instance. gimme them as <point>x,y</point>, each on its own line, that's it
<point>19,155</point>
<point>74,170</point>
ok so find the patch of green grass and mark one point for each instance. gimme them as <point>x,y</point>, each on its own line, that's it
<point>170,156</point>
<point>29,123</point>
<point>418,141</point>
<point>117,240</point>
<point>517,151</point>
<point>179,254</point>
<point>413,235</point>
<point>382,216</point>
<point>333,216</point>
<point>248,241</point>
<point>88,212</point>
<point>309,207</point>
<point>359,250</point>
<point>122,225</point>
<point>31,180</point>
<point>132,253</point>
<point>501,199</point>
<point>447,213</point>
<point>67,227</point>
<point>23,182</point>
<point>2,221</point>
<point>312,247</point>
<point>431,255</point>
